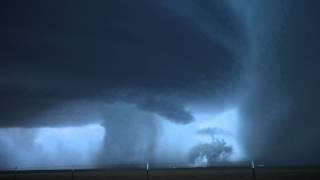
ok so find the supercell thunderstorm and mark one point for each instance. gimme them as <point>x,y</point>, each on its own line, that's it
<point>192,83</point>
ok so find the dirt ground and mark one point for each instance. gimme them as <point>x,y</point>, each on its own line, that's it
<point>168,174</point>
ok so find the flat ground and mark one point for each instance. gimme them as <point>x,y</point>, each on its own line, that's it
<point>239,173</point>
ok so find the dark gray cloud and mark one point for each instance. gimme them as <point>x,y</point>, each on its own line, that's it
<point>72,63</point>
<point>56,52</point>
<point>63,61</point>
<point>167,108</point>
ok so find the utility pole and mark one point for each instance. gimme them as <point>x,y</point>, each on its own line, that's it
<point>147,170</point>
<point>253,170</point>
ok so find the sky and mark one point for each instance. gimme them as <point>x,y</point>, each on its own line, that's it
<point>197,82</point>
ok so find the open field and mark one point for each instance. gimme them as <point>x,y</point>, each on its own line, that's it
<point>238,173</point>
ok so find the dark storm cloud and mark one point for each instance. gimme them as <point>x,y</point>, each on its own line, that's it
<point>61,60</point>
<point>69,63</point>
<point>281,114</point>
<point>54,52</point>
<point>166,107</point>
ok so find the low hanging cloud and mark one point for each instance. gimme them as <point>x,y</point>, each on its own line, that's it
<point>97,54</point>
<point>167,108</point>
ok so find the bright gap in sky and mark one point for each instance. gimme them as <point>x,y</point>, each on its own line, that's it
<point>54,148</point>
<point>78,147</point>
<point>177,140</point>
